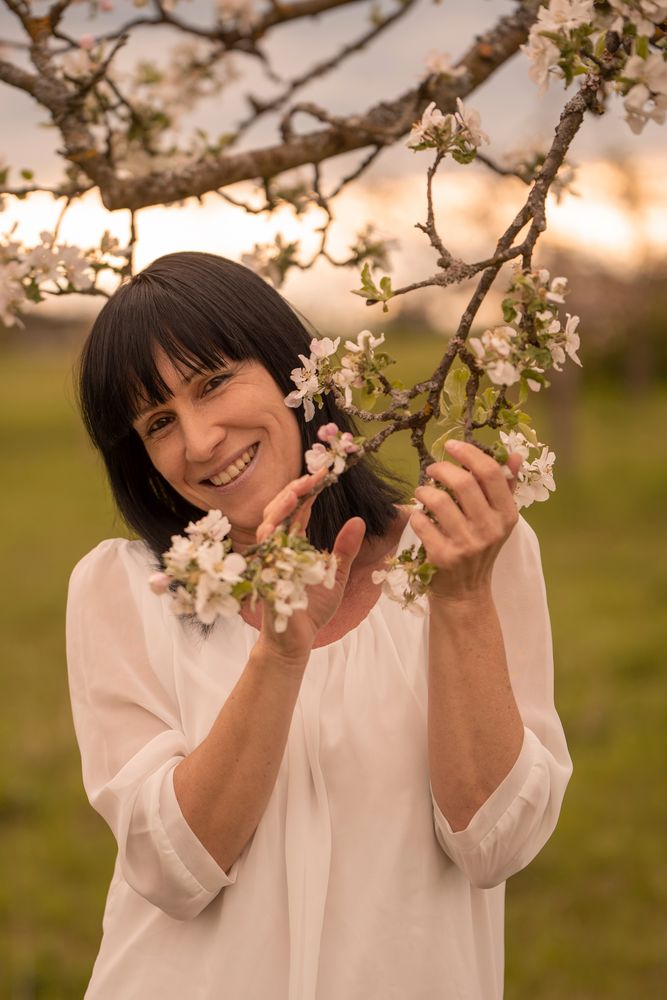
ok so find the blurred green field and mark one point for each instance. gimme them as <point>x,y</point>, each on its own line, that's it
<point>587,920</point>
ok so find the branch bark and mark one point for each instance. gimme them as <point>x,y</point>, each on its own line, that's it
<point>379,127</point>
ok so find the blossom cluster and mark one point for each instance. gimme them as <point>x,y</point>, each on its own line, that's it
<point>621,41</point>
<point>459,134</point>
<point>27,274</point>
<point>206,579</point>
<point>143,128</point>
<point>241,12</point>
<point>332,449</point>
<point>535,479</point>
<point>406,578</point>
<point>359,368</point>
<point>532,339</point>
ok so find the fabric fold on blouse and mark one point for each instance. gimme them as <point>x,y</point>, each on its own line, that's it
<point>354,884</point>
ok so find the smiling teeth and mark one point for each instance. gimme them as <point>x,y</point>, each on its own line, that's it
<point>235,468</point>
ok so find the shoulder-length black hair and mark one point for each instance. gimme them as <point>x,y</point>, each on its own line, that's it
<point>201,309</point>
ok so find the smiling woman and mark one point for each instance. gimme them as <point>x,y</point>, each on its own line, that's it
<point>226,441</point>
<point>329,809</point>
<point>198,333</point>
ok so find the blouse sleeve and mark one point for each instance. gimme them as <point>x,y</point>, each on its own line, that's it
<point>518,818</point>
<point>128,728</point>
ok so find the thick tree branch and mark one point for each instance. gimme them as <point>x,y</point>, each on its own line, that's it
<point>380,126</point>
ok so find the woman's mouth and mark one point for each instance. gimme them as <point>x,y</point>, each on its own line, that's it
<point>236,470</point>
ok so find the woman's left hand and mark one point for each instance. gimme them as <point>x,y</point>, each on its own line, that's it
<point>465,542</point>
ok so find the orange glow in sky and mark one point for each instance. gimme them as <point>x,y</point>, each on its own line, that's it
<point>618,218</point>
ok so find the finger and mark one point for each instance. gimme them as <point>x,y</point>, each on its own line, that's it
<point>274,513</point>
<point>451,518</point>
<point>284,502</point>
<point>465,487</point>
<point>433,540</point>
<point>487,473</point>
<point>347,546</point>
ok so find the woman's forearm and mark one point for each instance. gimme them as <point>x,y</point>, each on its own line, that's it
<point>475,730</point>
<point>224,785</point>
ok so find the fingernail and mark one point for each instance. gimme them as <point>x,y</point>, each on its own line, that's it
<point>453,446</point>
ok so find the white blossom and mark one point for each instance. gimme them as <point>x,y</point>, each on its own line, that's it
<point>647,99</point>
<point>406,579</point>
<point>307,384</point>
<point>346,378</point>
<point>557,290</point>
<point>645,15</point>
<point>214,526</point>
<point>440,63</point>
<point>433,127</point>
<point>213,599</point>
<point>365,343</point>
<point>12,292</point>
<point>493,352</point>
<point>572,339</point>
<point>515,441</point>
<point>470,121</point>
<point>543,56</point>
<point>535,478</point>
<point>242,12</point>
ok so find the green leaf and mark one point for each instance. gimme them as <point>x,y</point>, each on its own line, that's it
<point>369,289</point>
<point>641,47</point>
<point>455,385</point>
<point>528,432</point>
<point>509,417</point>
<point>26,174</point>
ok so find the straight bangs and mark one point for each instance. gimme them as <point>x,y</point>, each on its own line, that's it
<point>130,335</point>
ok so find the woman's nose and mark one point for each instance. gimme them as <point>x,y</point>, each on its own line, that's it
<point>202,437</point>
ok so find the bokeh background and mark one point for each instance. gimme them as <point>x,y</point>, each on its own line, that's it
<point>588,919</point>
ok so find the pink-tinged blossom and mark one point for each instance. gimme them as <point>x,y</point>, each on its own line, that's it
<point>159,583</point>
<point>328,432</point>
<point>341,445</point>
<point>318,457</point>
<point>323,347</point>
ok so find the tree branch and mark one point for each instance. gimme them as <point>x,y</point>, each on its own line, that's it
<point>380,126</point>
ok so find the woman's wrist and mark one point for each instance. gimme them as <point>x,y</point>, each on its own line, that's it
<point>285,660</point>
<point>463,606</point>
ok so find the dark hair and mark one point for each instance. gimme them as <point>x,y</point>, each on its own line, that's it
<point>201,309</point>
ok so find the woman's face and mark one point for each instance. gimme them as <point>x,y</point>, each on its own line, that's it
<point>224,440</point>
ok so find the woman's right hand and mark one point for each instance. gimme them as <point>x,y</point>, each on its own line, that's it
<point>293,646</point>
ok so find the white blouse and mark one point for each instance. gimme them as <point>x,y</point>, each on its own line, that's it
<point>353,886</point>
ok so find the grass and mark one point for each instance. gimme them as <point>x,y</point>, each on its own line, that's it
<point>587,920</point>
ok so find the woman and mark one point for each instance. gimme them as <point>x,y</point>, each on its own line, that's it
<point>329,813</point>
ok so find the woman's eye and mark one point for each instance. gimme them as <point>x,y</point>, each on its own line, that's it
<point>213,383</point>
<point>156,426</point>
